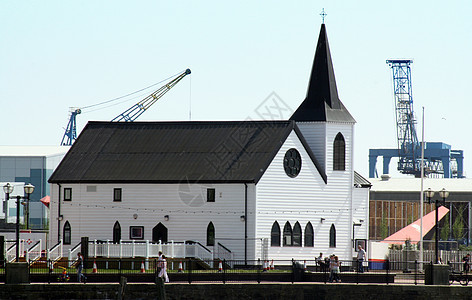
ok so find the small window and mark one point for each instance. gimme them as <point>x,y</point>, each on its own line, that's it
<point>66,233</point>
<point>275,235</point>
<point>116,232</point>
<point>288,234</point>
<point>309,236</point>
<point>297,235</point>
<point>339,153</point>
<point>136,232</point>
<point>117,195</point>
<point>332,237</point>
<point>211,234</point>
<point>67,194</point>
<point>210,195</point>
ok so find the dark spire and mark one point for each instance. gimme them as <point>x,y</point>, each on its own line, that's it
<point>322,102</point>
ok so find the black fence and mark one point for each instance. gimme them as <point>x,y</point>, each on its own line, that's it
<point>223,271</point>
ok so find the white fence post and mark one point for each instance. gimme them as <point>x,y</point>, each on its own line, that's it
<point>172,253</point>
<point>108,248</point>
<point>133,249</point>
<point>121,249</point>
<point>147,254</point>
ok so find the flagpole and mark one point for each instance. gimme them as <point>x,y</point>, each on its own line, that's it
<point>422,192</point>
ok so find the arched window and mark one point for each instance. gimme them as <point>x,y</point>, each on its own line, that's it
<point>288,235</point>
<point>297,235</point>
<point>275,235</point>
<point>309,236</point>
<point>339,153</point>
<point>66,233</point>
<point>116,232</point>
<point>332,237</point>
<point>211,234</point>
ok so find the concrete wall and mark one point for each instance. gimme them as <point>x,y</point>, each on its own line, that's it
<point>234,291</point>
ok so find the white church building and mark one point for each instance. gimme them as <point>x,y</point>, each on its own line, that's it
<point>260,189</point>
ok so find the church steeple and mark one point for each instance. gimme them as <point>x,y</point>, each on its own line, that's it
<point>322,102</point>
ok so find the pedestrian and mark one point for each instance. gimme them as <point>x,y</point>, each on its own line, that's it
<point>79,264</point>
<point>320,262</point>
<point>163,271</point>
<point>159,262</point>
<point>360,259</point>
<point>466,261</point>
<point>334,269</point>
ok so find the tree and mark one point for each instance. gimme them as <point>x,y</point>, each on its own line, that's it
<point>458,227</point>
<point>383,228</point>
<point>444,234</point>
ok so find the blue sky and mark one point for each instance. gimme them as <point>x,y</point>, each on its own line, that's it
<point>60,54</point>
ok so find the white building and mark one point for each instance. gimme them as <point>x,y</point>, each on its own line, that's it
<point>262,189</point>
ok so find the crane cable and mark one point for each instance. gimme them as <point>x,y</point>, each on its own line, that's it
<point>135,92</point>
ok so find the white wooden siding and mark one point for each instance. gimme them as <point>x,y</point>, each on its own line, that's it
<point>307,198</point>
<point>315,135</point>
<point>93,214</point>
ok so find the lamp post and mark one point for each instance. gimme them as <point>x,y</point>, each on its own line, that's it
<point>28,189</point>
<point>438,203</point>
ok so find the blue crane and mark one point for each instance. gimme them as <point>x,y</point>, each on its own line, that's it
<point>439,158</point>
<point>129,115</point>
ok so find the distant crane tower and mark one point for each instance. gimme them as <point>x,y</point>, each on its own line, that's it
<point>129,115</point>
<point>438,157</point>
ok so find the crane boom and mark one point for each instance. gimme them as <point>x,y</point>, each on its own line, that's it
<point>408,145</point>
<point>139,108</point>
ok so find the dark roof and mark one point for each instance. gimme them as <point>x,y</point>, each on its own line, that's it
<point>360,181</point>
<point>322,102</point>
<point>173,152</point>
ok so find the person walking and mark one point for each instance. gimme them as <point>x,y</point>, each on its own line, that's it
<point>163,271</point>
<point>80,265</point>
<point>360,259</point>
<point>334,269</point>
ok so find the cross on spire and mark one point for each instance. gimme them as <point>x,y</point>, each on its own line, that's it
<point>323,15</point>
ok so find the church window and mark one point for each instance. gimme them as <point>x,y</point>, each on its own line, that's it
<point>297,235</point>
<point>211,234</point>
<point>210,195</point>
<point>292,163</point>
<point>116,232</point>
<point>117,195</point>
<point>67,194</point>
<point>332,237</point>
<point>136,232</point>
<point>275,235</point>
<point>67,233</point>
<point>309,236</point>
<point>288,234</point>
<point>339,153</point>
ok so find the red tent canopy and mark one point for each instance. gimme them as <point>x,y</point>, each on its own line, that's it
<point>45,200</point>
<point>412,231</point>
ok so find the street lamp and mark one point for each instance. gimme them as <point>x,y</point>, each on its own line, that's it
<point>8,189</point>
<point>439,202</point>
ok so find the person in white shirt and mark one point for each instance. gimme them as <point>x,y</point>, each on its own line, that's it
<point>360,259</point>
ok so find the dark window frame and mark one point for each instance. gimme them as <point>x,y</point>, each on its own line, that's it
<point>332,236</point>
<point>116,232</point>
<point>117,195</point>
<point>275,235</point>
<point>210,234</point>
<point>67,233</point>
<point>292,162</point>
<point>339,153</point>
<point>309,235</point>
<point>67,194</point>
<point>287,235</point>
<point>297,235</point>
<point>211,195</point>
<point>132,235</point>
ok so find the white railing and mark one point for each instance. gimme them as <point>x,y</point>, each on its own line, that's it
<point>146,249</point>
<point>72,257</point>
<point>34,253</point>
<point>10,254</point>
<point>55,253</point>
<point>222,252</point>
